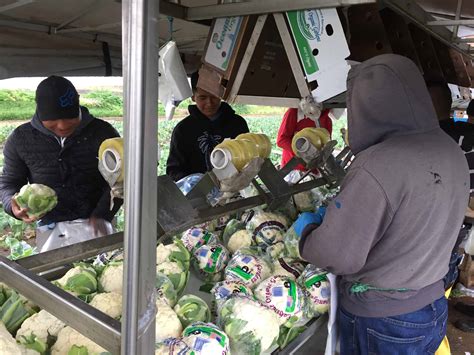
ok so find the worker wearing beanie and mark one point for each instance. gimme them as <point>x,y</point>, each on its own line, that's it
<point>59,148</point>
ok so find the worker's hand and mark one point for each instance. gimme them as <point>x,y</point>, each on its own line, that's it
<point>99,225</point>
<point>308,218</point>
<point>22,213</point>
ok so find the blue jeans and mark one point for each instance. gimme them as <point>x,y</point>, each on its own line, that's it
<point>415,333</point>
<point>453,272</point>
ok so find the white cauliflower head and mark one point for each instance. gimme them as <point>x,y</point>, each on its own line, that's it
<point>251,327</point>
<point>41,325</point>
<point>167,323</point>
<point>109,302</point>
<point>111,279</point>
<point>68,337</point>
<point>8,345</point>
<point>240,239</point>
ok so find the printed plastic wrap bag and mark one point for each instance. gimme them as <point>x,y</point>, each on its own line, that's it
<point>291,240</point>
<point>305,201</point>
<point>66,233</point>
<point>267,228</point>
<point>187,183</point>
<point>317,286</point>
<point>173,82</point>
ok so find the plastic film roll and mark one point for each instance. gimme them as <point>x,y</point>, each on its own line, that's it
<point>239,152</point>
<point>318,137</point>
<point>111,156</point>
<point>264,146</point>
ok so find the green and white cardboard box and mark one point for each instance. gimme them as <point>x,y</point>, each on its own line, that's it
<point>222,43</point>
<point>322,47</point>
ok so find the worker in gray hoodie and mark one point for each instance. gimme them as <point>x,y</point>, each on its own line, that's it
<point>390,231</point>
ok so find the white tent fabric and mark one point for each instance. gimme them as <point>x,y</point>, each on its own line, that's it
<point>66,36</point>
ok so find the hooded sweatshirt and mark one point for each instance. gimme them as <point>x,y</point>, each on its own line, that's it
<point>195,137</point>
<point>391,229</point>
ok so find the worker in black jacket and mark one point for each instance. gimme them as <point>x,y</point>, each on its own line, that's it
<point>59,148</point>
<point>210,121</point>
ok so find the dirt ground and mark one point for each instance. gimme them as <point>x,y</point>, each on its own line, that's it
<point>461,343</point>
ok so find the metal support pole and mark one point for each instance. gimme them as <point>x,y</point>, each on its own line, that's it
<point>451,23</point>
<point>458,16</point>
<point>140,58</point>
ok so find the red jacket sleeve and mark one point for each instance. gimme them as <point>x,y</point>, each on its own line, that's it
<point>325,121</point>
<point>287,129</point>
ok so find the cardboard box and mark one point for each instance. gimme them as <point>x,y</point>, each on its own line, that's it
<point>466,271</point>
<point>322,47</point>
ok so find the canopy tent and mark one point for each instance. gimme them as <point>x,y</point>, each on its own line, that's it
<point>78,38</point>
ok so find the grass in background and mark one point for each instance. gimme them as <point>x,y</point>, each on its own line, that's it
<point>20,105</point>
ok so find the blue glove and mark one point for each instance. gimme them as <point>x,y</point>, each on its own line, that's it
<point>307,218</point>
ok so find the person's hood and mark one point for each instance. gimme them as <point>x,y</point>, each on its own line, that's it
<point>86,118</point>
<point>386,97</point>
<point>224,111</point>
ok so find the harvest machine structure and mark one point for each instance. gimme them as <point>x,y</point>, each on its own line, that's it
<point>112,37</point>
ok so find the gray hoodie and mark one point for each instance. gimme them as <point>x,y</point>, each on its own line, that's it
<point>395,221</point>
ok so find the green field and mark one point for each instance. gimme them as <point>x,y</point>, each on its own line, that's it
<point>18,106</point>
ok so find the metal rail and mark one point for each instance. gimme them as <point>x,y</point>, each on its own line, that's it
<point>300,340</point>
<point>90,248</point>
<point>94,324</point>
<point>102,329</point>
<point>411,10</point>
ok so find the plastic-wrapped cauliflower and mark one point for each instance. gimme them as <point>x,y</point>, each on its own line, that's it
<point>288,267</point>
<point>240,239</point>
<point>206,339</point>
<point>196,237</point>
<point>247,268</point>
<point>109,302</point>
<point>267,228</point>
<point>37,198</point>
<point>35,330</point>
<point>175,251</point>
<point>276,250</point>
<point>285,297</point>
<point>191,309</point>
<point>172,346</point>
<point>221,222</point>
<point>69,337</point>
<point>315,281</point>
<point>167,322</point>
<point>111,278</point>
<point>210,259</point>
<point>227,288</point>
<point>165,289</point>
<point>177,273</point>
<point>252,327</point>
<point>292,244</point>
